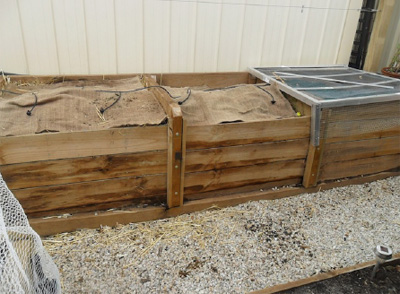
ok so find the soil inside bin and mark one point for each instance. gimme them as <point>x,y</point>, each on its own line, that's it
<point>75,106</point>
<point>387,280</point>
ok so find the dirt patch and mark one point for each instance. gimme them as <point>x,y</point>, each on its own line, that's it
<point>387,280</point>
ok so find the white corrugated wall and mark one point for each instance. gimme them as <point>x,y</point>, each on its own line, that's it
<point>135,36</point>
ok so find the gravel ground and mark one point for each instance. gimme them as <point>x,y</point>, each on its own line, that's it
<point>233,250</point>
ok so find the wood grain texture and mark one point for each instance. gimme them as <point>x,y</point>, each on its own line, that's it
<point>242,176</point>
<point>175,135</point>
<point>64,171</point>
<point>363,129</point>
<point>358,167</point>
<point>343,151</point>
<point>315,154</point>
<point>81,144</point>
<point>52,226</point>
<point>212,80</point>
<point>199,137</point>
<point>242,155</point>
<point>56,197</point>
<point>382,110</point>
<point>51,79</point>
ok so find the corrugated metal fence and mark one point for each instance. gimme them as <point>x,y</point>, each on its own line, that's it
<point>135,36</point>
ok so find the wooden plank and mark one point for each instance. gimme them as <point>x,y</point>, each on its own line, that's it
<point>382,110</point>
<point>378,36</point>
<point>56,197</point>
<point>52,226</point>
<point>64,171</point>
<point>298,106</point>
<point>174,196</point>
<point>175,135</point>
<point>81,144</point>
<point>51,79</point>
<point>183,164</point>
<point>212,80</point>
<point>363,129</point>
<point>245,189</point>
<point>199,137</point>
<point>242,155</point>
<point>315,154</point>
<point>242,176</point>
<point>321,277</point>
<point>343,151</point>
<point>358,167</point>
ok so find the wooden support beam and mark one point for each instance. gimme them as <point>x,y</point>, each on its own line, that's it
<point>176,143</point>
<point>314,157</point>
<point>378,36</point>
<point>45,227</point>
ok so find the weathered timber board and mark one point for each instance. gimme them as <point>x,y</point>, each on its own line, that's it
<point>64,171</point>
<point>244,189</point>
<point>350,150</point>
<point>241,176</point>
<point>363,129</point>
<point>365,111</point>
<point>52,226</point>
<point>242,155</point>
<point>82,144</point>
<point>212,80</point>
<point>358,167</point>
<point>200,137</point>
<point>58,197</point>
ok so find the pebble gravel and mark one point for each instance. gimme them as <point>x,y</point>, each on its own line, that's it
<point>238,249</point>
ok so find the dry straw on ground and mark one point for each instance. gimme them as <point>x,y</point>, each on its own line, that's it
<point>236,249</point>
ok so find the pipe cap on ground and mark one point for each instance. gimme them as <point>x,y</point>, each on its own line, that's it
<point>383,252</point>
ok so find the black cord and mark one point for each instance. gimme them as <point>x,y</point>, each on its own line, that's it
<point>139,89</point>
<point>29,112</point>
<point>226,88</point>
<point>189,92</point>
<point>262,89</point>
<point>119,95</point>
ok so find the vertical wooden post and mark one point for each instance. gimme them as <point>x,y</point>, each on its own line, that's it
<point>315,153</point>
<point>176,144</point>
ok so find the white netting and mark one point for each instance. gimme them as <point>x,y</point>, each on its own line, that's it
<point>25,266</point>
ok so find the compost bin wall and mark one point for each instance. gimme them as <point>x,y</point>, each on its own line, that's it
<point>360,140</point>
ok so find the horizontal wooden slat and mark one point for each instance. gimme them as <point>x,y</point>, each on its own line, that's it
<point>58,197</point>
<point>242,155</point>
<point>212,80</point>
<point>64,171</point>
<point>358,167</point>
<point>381,110</point>
<point>199,137</point>
<point>45,227</point>
<point>342,151</point>
<point>51,79</point>
<point>245,189</point>
<point>82,144</point>
<point>362,129</point>
<point>241,176</point>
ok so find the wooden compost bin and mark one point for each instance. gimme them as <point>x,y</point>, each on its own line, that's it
<point>58,173</point>
<point>356,141</point>
<point>244,156</point>
<point>193,167</point>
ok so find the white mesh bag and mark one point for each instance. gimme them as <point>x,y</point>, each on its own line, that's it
<point>25,266</point>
